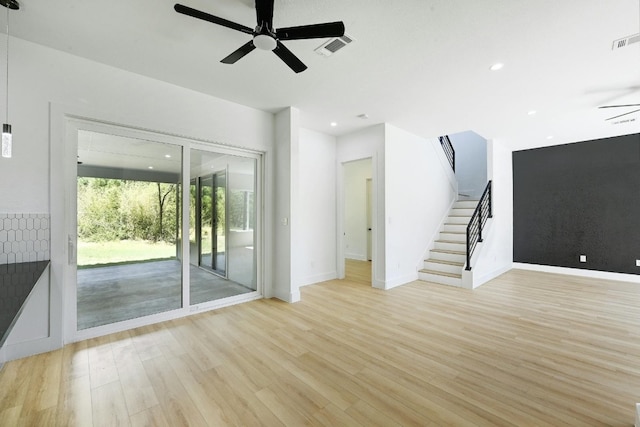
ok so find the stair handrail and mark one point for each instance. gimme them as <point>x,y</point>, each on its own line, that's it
<point>449,151</point>
<point>477,222</point>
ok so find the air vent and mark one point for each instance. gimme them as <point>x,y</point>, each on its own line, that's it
<point>332,46</point>
<point>617,44</point>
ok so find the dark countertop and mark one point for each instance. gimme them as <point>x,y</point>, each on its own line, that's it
<point>16,283</point>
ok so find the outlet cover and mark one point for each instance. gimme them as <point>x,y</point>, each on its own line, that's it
<point>583,258</point>
<point>638,263</point>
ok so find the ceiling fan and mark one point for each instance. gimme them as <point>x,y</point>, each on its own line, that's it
<point>265,37</point>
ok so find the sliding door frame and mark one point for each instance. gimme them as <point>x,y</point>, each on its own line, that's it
<point>64,187</point>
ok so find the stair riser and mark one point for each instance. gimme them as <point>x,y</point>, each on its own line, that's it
<point>443,280</point>
<point>447,257</point>
<point>464,211</point>
<point>461,228</point>
<point>456,237</point>
<point>462,247</point>
<point>458,220</point>
<point>466,204</point>
<point>446,268</point>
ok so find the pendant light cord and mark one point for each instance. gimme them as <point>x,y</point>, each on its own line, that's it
<point>7,85</point>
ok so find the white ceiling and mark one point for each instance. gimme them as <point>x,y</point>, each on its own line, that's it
<point>422,65</point>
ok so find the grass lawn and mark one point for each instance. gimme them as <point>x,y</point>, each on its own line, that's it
<point>121,251</point>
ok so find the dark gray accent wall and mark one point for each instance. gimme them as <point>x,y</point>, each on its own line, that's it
<point>581,198</point>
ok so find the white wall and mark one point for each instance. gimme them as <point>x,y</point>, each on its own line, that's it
<point>356,174</point>
<point>286,218</point>
<point>366,143</point>
<point>40,76</point>
<point>315,240</point>
<point>45,81</point>
<point>494,255</point>
<point>471,163</point>
<point>419,191</point>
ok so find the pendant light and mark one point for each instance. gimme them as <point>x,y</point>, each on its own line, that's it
<point>6,127</point>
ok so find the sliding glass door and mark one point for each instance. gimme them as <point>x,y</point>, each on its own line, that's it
<point>224,217</point>
<point>127,259</point>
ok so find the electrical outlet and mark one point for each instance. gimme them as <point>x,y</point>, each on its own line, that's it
<point>638,263</point>
<point>583,258</point>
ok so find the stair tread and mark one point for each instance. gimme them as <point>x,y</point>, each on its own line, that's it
<point>441,273</point>
<point>451,241</point>
<point>446,251</point>
<point>453,232</point>
<point>442,261</point>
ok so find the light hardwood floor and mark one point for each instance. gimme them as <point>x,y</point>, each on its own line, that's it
<point>525,349</point>
<point>358,271</point>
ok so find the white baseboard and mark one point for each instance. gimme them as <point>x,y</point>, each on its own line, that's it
<point>318,278</point>
<point>290,297</point>
<point>606,275</point>
<point>29,348</point>
<point>399,281</point>
<point>490,276</point>
<point>294,297</point>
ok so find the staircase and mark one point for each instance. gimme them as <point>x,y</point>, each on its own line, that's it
<point>447,258</point>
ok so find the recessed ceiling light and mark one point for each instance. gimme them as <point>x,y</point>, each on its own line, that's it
<point>150,167</point>
<point>333,124</point>
<point>550,137</point>
<point>532,112</point>
<point>363,116</point>
<point>497,66</point>
<point>168,156</point>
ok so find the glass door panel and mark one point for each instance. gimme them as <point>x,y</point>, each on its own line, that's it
<point>224,213</point>
<point>128,228</point>
<point>242,219</point>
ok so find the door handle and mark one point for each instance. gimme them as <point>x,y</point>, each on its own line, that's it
<point>71,251</point>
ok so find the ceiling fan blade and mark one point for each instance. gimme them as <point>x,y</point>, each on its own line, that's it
<point>264,13</point>
<point>625,114</point>
<point>289,58</point>
<point>313,31</point>
<point>186,10</point>
<point>239,54</point>
<point>618,106</point>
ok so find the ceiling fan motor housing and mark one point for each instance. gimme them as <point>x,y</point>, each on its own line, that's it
<point>264,42</point>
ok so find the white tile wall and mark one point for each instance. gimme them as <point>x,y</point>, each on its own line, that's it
<point>24,237</point>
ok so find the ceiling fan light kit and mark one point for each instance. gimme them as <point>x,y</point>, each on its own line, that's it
<point>264,42</point>
<point>265,37</point>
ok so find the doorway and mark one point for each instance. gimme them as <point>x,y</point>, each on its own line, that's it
<point>358,221</point>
